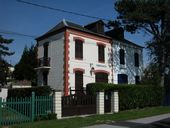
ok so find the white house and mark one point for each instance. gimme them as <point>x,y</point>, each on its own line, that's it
<point>70,56</point>
<point>127,59</point>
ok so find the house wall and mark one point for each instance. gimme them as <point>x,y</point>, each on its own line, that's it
<point>90,58</point>
<point>56,54</point>
<point>129,67</point>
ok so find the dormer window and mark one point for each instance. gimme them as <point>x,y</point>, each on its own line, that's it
<point>122,56</point>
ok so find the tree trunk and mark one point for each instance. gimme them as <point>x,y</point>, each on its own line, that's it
<point>162,80</point>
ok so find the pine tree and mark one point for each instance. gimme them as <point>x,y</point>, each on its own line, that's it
<point>4,51</point>
<point>24,70</point>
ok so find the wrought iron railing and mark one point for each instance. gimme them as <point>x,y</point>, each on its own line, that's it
<point>45,61</point>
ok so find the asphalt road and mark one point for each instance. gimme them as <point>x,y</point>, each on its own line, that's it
<point>160,121</point>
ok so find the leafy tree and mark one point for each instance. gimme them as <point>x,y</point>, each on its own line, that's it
<point>24,70</point>
<point>152,17</point>
<point>4,51</point>
<point>151,75</point>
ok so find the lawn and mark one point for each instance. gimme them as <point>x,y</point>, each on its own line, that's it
<point>96,119</point>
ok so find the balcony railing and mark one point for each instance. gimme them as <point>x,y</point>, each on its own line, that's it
<point>45,61</point>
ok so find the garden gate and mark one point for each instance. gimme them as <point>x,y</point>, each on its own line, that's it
<point>20,110</point>
<point>107,101</point>
<point>78,105</point>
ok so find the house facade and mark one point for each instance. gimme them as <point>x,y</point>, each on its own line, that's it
<point>70,56</point>
<point>127,63</point>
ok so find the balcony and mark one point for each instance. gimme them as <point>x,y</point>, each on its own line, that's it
<point>43,63</point>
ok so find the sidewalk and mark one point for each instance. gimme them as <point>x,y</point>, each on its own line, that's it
<point>148,121</point>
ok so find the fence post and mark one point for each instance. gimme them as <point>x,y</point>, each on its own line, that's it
<point>57,104</point>
<point>32,106</point>
<point>100,102</point>
<point>115,102</point>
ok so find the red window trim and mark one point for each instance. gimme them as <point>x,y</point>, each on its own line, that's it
<point>100,43</point>
<point>78,38</point>
<point>78,69</point>
<point>101,71</point>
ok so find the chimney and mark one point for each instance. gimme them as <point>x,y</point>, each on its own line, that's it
<point>97,27</point>
<point>117,33</point>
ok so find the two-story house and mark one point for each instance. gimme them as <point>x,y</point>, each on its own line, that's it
<point>70,56</point>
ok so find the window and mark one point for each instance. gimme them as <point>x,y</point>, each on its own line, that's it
<point>101,77</point>
<point>78,49</point>
<point>136,56</point>
<point>101,53</point>
<point>122,56</point>
<point>46,49</point>
<point>137,80</point>
<point>45,78</point>
<point>78,82</point>
<point>122,79</point>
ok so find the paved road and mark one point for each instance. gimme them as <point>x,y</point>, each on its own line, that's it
<point>143,122</point>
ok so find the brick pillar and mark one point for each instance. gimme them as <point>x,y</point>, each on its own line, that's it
<point>115,102</point>
<point>57,104</point>
<point>100,103</point>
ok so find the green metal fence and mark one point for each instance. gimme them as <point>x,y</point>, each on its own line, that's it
<point>20,110</point>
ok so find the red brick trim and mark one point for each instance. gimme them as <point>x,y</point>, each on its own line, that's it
<point>101,43</point>
<point>66,63</point>
<point>86,35</point>
<point>101,71</point>
<point>78,69</point>
<point>78,38</point>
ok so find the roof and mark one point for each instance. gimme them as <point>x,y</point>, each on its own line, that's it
<point>113,33</point>
<point>98,21</point>
<point>68,24</point>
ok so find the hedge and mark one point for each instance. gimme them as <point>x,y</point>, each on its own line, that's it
<point>132,96</point>
<point>27,92</point>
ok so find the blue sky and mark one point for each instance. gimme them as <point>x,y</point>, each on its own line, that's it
<point>30,20</point>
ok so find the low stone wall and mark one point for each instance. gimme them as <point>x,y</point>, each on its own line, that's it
<point>21,86</point>
<point>3,93</point>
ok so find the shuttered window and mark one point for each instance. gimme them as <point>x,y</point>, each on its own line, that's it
<point>78,49</point>
<point>101,77</point>
<point>122,56</point>
<point>136,57</point>
<point>101,53</point>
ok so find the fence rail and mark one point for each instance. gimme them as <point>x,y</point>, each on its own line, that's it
<point>20,110</point>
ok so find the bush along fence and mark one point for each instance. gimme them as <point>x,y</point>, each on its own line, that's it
<point>132,96</point>
<point>19,110</point>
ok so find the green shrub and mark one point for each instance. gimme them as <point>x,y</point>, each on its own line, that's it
<point>50,116</point>
<point>26,92</point>
<point>132,96</point>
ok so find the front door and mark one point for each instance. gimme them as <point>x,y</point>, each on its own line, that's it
<point>122,79</point>
<point>78,82</point>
